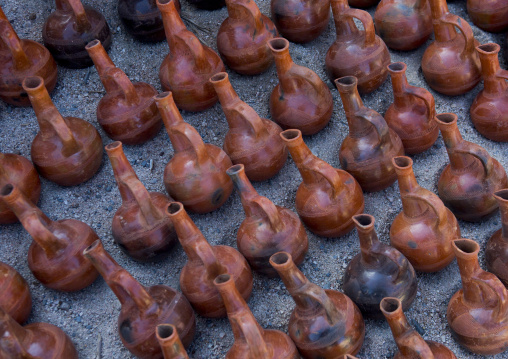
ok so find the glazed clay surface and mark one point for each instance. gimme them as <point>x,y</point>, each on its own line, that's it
<point>69,28</point>
<point>489,111</point>
<point>301,100</point>
<point>15,298</point>
<point>300,20</point>
<point>143,308</point>
<point>378,271</point>
<point>478,313</point>
<point>359,53</point>
<point>267,228</point>
<point>403,25</point>
<point>327,198</point>
<point>172,347</point>
<point>196,174</point>
<point>20,172</point>
<point>324,323</point>
<point>242,38</point>
<point>367,150</point>
<point>467,183</point>
<point>20,59</point>
<point>496,251</point>
<point>489,15</point>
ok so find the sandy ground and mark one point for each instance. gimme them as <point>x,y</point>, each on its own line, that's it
<point>93,312</point>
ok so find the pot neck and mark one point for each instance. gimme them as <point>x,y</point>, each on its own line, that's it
<point>490,68</point>
<point>20,61</point>
<point>442,32</point>
<point>401,98</point>
<point>344,24</point>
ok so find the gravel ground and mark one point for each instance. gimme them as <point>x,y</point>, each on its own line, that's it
<point>93,312</point>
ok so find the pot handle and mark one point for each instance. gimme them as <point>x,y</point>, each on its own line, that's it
<point>465,29</point>
<point>381,127</point>
<point>13,43</point>
<point>502,74</point>
<point>469,148</point>
<point>318,294</point>
<point>308,76</point>
<point>80,13</point>
<point>323,169</point>
<point>488,283</point>
<point>433,201</point>
<point>186,137</point>
<point>271,212</point>
<point>124,84</point>
<point>368,24</point>
<point>427,98</point>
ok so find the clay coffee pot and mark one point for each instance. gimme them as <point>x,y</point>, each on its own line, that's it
<point>324,323</point>
<point>378,271</point>
<point>496,251</point>
<point>69,28</point>
<point>15,298</point>
<point>20,59</point>
<point>411,115</point>
<point>403,25</point>
<point>196,175</point>
<point>242,38</point>
<point>143,308</point>
<point>300,20</point>
<point>251,140</point>
<point>355,52</point>
<point>205,262</point>
<point>411,345</point>
<point>267,228</point>
<point>490,16</point>
<point>251,341</point>
<point>367,151</point>
<point>54,257</point>
<point>189,65</point>
<point>425,228</point>
<point>33,341</point>
<point>362,4</point>
<point>20,172</point>
<point>171,345</point>
<point>327,198</point>
<point>468,181</point>
<point>489,111</point>
<point>301,99</point>
<point>66,150</point>
<point>140,226</point>
<point>142,19</point>
<point>450,64</point>
<point>478,313</point>
<point>127,112</point>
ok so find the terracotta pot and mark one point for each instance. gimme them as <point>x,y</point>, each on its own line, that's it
<point>450,64</point>
<point>327,198</point>
<point>378,271</point>
<point>478,313</point>
<point>35,340</point>
<point>367,150</point>
<point>411,344</point>
<point>205,262</point>
<point>489,111</point>
<point>325,323</point>
<point>301,99</point>
<point>251,140</point>
<point>267,228</point>
<point>467,183</point>
<point>15,298</point>
<point>496,251</point>
<point>142,19</point>
<point>242,38</point>
<point>66,150</point>
<point>54,256</point>
<point>127,112</point>
<point>425,228</point>
<point>251,341</point>
<point>69,28</point>
<point>22,58</point>
<point>489,15</point>
<point>140,226</point>
<point>355,52</point>
<point>189,65</point>
<point>196,174</point>
<point>143,308</point>
<point>300,20</point>
<point>411,115</point>
<point>363,4</point>
<point>403,25</point>
<point>21,173</point>
<point>171,345</point>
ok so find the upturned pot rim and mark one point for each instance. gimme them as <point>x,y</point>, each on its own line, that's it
<point>397,67</point>
<point>235,169</point>
<point>465,248</point>
<point>346,83</point>
<point>278,44</point>
<point>446,119</point>
<point>291,135</point>
<point>489,48</point>
<point>33,83</point>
